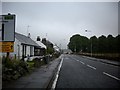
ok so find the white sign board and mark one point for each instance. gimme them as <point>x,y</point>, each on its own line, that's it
<point>8,28</point>
<point>0,28</point>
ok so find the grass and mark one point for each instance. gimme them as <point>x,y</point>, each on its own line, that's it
<point>110,56</point>
<point>30,64</point>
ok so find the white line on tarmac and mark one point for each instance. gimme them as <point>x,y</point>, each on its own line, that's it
<point>111,76</point>
<point>81,62</point>
<point>57,75</point>
<point>91,67</point>
<point>77,60</point>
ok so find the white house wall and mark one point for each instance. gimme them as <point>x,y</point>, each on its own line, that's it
<point>18,50</point>
<point>17,47</point>
<point>32,50</point>
<point>28,50</point>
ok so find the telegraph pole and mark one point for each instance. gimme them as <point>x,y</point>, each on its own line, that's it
<point>28,29</point>
<point>91,40</point>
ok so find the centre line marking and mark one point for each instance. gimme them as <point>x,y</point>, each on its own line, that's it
<point>81,62</point>
<point>57,75</point>
<point>91,67</point>
<point>111,76</point>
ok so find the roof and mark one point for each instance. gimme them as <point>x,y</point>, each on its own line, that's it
<point>41,44</point>
<point>25,40</point>
<point>56,48</point>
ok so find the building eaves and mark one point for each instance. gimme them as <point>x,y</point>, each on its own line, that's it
<point>25,40</point>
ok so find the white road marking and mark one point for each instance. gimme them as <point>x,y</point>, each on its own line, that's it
<point>111,76</point>
<point>57,75</point>
<point>91,67</point>
<point>81,62</point>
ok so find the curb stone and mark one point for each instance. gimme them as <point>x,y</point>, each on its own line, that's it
<point>102,60</point>
<point>49,85</point>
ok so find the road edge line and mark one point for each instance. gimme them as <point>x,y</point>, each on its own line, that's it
<point>100,60</point>
<point>111,76</point>
<point>57,75</point>
<point>91,67</point>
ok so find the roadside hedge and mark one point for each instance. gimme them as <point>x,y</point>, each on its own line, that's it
<point>13,69</point>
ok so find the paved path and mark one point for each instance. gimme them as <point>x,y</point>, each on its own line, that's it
<point>40,78</point>
<point>112,62</point>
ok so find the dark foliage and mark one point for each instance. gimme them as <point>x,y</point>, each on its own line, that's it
<point>101,44</point>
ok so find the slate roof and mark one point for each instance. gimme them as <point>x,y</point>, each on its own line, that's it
<point>41,44</point>
<point>25,40</point>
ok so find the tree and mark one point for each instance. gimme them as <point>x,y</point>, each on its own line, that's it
<point>85,44</point>
<point>50,50</point>
<point>117,42</point>
<point>74,43</point>
<point>94,42</point>
<point>110,44</point>
<point>78,43</point>
<point>102,44</point>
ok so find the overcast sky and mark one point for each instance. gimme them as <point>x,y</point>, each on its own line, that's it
<point>58,21</point>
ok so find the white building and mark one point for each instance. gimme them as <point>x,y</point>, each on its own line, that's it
<point>56,48</point>
<point>25,47</point>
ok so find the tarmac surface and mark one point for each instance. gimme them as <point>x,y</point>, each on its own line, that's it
<point>43,77</point>
<point>85,72</point>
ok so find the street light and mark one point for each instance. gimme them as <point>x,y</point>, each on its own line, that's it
<point>91,40</point>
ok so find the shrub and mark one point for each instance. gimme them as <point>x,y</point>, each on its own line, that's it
<point>38,62</point>
<point>13,69</point>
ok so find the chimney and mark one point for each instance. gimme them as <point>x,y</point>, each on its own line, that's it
<point>29,35</point>
<point>38,38</point>
<point>9,13</point>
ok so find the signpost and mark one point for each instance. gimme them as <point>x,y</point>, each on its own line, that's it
<point>8,28</point>
<point>7,32</point>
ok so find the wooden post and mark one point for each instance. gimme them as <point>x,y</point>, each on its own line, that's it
<point>7,54</point>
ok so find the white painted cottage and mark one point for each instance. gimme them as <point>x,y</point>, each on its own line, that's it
<point>25,47</point>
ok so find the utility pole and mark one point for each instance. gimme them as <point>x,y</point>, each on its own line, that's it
<point>91,40</point>
<point>47,44</point>
<point>28,29</point>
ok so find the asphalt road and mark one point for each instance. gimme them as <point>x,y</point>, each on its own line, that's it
<point>81,72</point>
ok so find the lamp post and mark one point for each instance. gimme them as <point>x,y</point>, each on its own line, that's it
<point>91,40</point>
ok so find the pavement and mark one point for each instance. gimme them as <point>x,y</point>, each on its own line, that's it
<point>70,75</point>
<point>112,62</point>
<point>40,78</point>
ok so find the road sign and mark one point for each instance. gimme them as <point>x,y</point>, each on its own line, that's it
<point>8,27</point>
<point>6,46</point>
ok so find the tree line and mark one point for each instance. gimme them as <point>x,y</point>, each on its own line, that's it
<point>101,44</point>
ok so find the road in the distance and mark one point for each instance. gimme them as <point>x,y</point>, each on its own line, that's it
<point>79,72</point>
